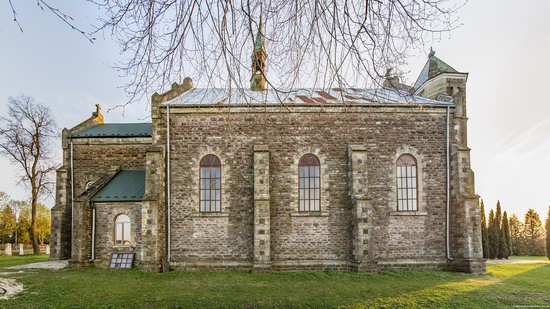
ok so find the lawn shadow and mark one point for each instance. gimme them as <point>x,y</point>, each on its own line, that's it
<point>514,285</point>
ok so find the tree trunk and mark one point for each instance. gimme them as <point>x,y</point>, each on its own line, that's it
<point>32,229</point>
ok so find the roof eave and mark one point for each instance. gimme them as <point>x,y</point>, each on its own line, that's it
<point>457,74</point>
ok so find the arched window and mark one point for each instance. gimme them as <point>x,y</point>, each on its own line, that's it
<point>210,184</point>
<point>309,186</point>
<point>122,230</point>
<point>407,183</point>
<point>89,184</point>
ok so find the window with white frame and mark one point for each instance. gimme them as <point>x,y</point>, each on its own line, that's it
<point>122,230</point>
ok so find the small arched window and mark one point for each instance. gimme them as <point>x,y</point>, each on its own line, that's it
<point>407,183</point>
<point>122,230</point>
<point>309,186</point>
<point>89,184</point>
<point>210,184</point>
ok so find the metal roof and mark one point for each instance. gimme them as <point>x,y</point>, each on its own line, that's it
<point>126,185</point>
<point>306,96</point>
<point>433,67</point>
<point>115,130</point>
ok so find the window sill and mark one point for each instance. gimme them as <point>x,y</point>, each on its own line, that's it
<point>309,214</point>
<point>408,213</point>
<point>211,215</point>
<point>121,248</point>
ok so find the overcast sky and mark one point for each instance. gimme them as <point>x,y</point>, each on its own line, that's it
<point>504,45</point>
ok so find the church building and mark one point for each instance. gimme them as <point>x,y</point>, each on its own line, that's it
<point>258,179</point>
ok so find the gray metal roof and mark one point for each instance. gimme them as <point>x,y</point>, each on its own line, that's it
<point>115,130</point>
<point>306,96</point>
<point>126,185</point>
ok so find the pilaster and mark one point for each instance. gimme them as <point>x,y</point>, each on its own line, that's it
<point>262,211</point>
<point>363,253</point>
<point>152,211</point>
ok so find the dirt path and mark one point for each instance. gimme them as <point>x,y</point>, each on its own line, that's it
<point>10,287</point>
<point>52,265</point>
<point>517,261</point>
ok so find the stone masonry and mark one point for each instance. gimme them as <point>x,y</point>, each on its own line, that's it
<point>260,226</point>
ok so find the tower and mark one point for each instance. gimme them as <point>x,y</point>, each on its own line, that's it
<point>440,81</point>
<point>258,81</point>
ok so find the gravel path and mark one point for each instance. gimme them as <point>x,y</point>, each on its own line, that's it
<point>53,265</point>
<point>517,261</point>
<point>10,287</point>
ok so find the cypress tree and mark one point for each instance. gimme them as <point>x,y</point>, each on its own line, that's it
<point>504,244</point>
<point>492,235</point>
<point>498,222</point>
<point>484,232</point>
<point>516,235</point>
<point>547,226</point>
<point>534,233</point>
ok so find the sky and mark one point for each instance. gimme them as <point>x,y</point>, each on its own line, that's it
<point>504,45</point>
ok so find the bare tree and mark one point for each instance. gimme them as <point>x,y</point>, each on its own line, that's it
<point>318,43</point>
<point>310,43</point>
<point>25,137</point>
<point>46,5</point>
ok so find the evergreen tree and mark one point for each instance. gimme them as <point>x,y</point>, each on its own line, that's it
<point>547,225</point>
<point>492,236</point>
<point>484,232</point>
<point>498,222</point>
<point>516,235</point>
<point>504,243</point>
<point>534,233</point>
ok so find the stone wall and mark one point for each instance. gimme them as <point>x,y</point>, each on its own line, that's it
<point>321,240</point>
<point>93,159</point>
<point>106,214</point>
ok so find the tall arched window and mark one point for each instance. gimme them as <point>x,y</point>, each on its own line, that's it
<point>210,184</point>
<point>310,179</point>
<point>122,230</point>
<point>407,183</point>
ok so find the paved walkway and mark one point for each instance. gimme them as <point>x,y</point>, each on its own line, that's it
<point>53,265</point>
<point>517,261</point>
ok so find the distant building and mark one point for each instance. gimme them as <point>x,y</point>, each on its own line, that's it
<point>310,179</point>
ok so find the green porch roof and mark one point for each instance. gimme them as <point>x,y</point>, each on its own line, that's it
<point>127,185</point>
<point>115,130</point>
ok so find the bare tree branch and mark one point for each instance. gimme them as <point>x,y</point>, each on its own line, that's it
<point>310,43</point>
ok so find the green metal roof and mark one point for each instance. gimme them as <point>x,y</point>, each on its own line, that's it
<point>127,185</point>
<point>115,130</point>
<point>433,67</point>
<point>259,44</point>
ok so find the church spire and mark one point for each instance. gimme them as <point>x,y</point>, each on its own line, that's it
<point>258,81</point>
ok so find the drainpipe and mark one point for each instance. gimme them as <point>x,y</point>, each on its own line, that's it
<point>93,231</point>
<point>72,193</point>
<point>168,189</point>
<point>448,167</point>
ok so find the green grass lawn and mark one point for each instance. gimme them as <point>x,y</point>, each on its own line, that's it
<point>8,261</point>
<point>526,257</point>
<point>503,285</point>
